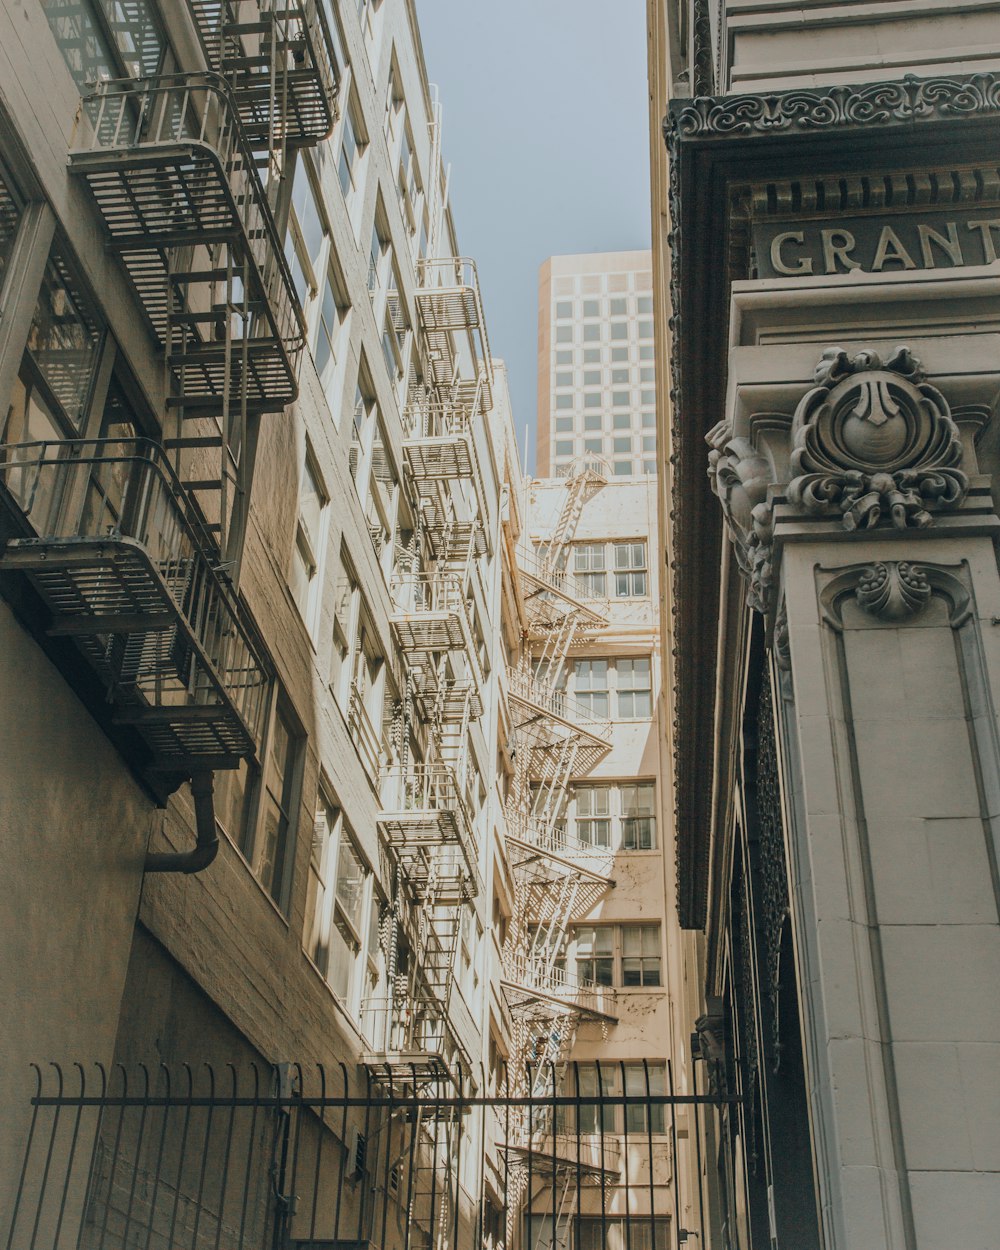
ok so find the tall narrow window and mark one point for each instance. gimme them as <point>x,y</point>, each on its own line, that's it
<point>595,954</point>
<point>346,934</point>
<point>352,147</point>
<point>635,692</point>
<point>593,815</point>
<point>641,955</point>
<point>333,311</point>
<point>309,535</point>
<point>589,568</point>
<point>645,1081</point>
<point>630,569</point>
<point>591,687</point>
<point>271,858</point>
<point>639,816</point>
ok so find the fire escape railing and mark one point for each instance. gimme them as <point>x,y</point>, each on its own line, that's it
<point>279,58</point>
<point>121,561</point>
<point>169,166</point>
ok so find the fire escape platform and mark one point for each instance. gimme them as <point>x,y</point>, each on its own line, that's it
<point>430,631</point>
<point>598,870</point>
<point>126,573</point>
<point>445,458</point>
<point>125,614</point>
<point>169,168</point>
<point>595,1158</point>
<point>302,110</point>
<point>570,999</point>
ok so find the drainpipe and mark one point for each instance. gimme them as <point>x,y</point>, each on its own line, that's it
<point>207,845</point>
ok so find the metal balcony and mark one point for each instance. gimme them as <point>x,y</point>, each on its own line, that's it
<point>278,57</point>
<point>425,821</point>
<point>532,980</point>
<point>121,563</point>
<point>544,703</point>
<point>534,837</point>
<point>431,615</point>
<point>169,167</point>
<point>449,303</point>
<point>446,702</point>
<point>411,1042</point>
<point>542,581</point>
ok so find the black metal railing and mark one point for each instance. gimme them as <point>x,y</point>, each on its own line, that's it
<point>122,561</point>
<point>192,1158</point>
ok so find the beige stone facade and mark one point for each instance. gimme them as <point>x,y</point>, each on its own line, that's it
<point>826,310</point>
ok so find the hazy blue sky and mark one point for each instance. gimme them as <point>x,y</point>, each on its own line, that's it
<point>545,127</point>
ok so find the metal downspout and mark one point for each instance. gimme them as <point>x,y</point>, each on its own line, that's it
<point>207,842</point>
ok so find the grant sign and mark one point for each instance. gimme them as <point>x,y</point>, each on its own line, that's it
<point>877,244</point>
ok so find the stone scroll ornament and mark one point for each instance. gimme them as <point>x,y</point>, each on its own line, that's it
<point>740,477</point>
<point>874,441</point>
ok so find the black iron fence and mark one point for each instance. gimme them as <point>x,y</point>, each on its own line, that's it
<point>195,1158</point>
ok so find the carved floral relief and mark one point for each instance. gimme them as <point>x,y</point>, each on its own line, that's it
<point>873,444</point>
<point>874,441</point>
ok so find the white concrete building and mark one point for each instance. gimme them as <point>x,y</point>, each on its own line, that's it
<point>596,370</point>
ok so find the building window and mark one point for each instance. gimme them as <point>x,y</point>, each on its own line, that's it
<point>635,692</point>
<point>644,304</point>
<point>339,888</point>
<point>619,307</point>
<point>588,563</point>
<point>592,377</point>
<point>592,332</point>
<point>621,445</point>
<point>638,816</point>
<point>640,1232</point>
<point>564,358</point>
<point>591,308</point>
<point>271,858</point>
<point>619,353</point>
<point>593,815</point>
<point>619,330</point>
<point>564,334</point>
<point>619,399</point>
<point>591,355</point>
<point>593,399</point>
<point>622,468</point>
<point>99,46</point>
<point>595,954</point>
<point>630,568</point>
<point>594,446</point>
<point>647,373</point>
<point>332,314</point>
<point>645,329</point>
<point>564,379</point>
<point>346,607</point>
<point>591,687</point>
<point>564,448</point>
<point>564,308</point>
<point>643,1080</point>
<point>564,401</point>
<point>640,955</point>
<point>649,420</point>
<point>592,421</point>
<point>564,425</point>
<point>352,148</point>
<point>309,534</point>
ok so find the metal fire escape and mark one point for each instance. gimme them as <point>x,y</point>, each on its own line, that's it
<point>422,1031</point>
<point>556,877</point>
<point>137,543</point>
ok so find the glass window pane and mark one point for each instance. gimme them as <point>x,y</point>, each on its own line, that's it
<point>63,340</point>
<point>350,882</point>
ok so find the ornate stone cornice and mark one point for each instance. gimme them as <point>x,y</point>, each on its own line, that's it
<point>860,104</point>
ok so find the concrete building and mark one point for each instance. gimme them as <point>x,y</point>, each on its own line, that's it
<point>596,374</point>
<point>583,966</point>
<point>825,217</point>
<point>251,574</point>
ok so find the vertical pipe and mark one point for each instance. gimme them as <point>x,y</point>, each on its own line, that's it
<point>251,1138</point>
<point>673,1154</point>
<point>138,1151</point>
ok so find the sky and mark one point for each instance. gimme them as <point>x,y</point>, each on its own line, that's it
<point>546,130</point>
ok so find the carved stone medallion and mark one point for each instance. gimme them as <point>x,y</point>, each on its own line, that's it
<point>874,441</point>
